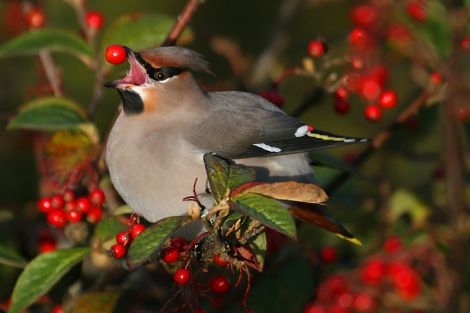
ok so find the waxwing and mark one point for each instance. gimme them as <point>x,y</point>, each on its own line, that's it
<point>155,149</point>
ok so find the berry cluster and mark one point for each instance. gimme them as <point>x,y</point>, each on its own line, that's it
<point>66,208</point>
<point>363,292</point>
<point>172,253</point>
<point>124,238</point>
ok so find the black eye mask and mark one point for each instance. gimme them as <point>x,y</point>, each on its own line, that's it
<point>161,73</point>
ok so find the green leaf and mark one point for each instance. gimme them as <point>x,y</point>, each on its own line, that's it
<point>123,209</point>
<point>49,114</point>
<point>405,202</point>
<point>11,258</point>
<point>268,212</point>
<point>108,228</point>
<point>258,247</point>
<point>42,273</point>
<point>32,42</point>
<point>239,175</point>
<point>138,31</point>
<point>217,170</point>
<point>149,241</point>
<point>96,302</point>
<point>224,174</point>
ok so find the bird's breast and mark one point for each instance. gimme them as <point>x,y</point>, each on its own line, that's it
<point>153,172</point>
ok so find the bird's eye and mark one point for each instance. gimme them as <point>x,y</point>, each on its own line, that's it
<point>160,76</point>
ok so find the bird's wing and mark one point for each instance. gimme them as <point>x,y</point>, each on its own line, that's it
<point>242,125</point>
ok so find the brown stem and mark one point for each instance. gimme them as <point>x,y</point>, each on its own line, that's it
<point>90,36</point>
<point>181,22</point>
<point>379,140</point>
<point>454,169</point>
<point>52,73</point>
<point>287,13</point>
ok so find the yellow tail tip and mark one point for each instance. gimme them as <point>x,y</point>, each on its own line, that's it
<point>353,240</point>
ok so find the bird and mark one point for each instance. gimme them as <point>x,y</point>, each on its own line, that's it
<point>155,149</point>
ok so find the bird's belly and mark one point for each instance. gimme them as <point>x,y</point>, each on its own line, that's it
<point>153,183</point>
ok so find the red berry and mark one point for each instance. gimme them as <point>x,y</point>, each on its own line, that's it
<point>405,280</point>
<point>465,44</point>
<point>73,216</point>
<point>178,243</point>
<point>314,308</point>
<point>94,215</point>
<point>136,230</point>
<point>97,196</point>
<point>337,309</point>
<point>57,202</point>
<point>436,78</point>
<point>364,303</point>
<point>219,284</point>
<point>70,206</point>
<point>363,15</point>
<point>345,300</point>
<point>47,242</point>
<point>416,10</point>
<point>182,276</point>
<point>370,88</point>
<point>123,238</point>
<point>392,244</point>
<point>199,311</point>
<point>341,93</point>
<point>94,20</point>
<point>117,251</point>
<point>388,99</point>
<point>334,285</point>
<point>56,218</point>
<point>220,261</point>
<point>358,38</point>
<point>372,272</point>
<point>379,73</point>
<point>273,96</point>
<point>35,18</point>
<point>45,205</point>
<point>462,113</point>
<point>69,195</point>
<point>316,48</point>
<point>83,204</point>
<point>373,112</point>
<point>170,254</point>
<point>115,54</point>
<point>328,254</point>
<point>342,106</point>
<point>57,309</point>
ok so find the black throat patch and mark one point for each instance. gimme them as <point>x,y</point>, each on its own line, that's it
<point>131,101</point>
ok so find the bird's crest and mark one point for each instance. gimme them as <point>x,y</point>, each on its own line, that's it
<point>176,57</point>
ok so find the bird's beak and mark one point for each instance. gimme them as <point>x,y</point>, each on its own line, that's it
<point>136,76</point>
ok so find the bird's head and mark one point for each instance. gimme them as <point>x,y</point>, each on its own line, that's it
<point>158,77</point>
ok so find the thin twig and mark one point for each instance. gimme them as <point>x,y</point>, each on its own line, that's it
<point>453,157</point>
<point>287,13</point>
<point>379,140</point>
<point>181,22</point>
<point>52,72</point>
<point>90,35</point>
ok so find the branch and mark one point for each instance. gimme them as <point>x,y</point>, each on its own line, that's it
<point>52,73</point>
<point>181,22</point>
<point>279,40</point>
<point>379,140</point>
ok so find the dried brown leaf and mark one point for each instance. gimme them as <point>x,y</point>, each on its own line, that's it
<point>291,191</point>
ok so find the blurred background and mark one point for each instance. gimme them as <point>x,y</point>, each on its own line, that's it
<point>330,63</point>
